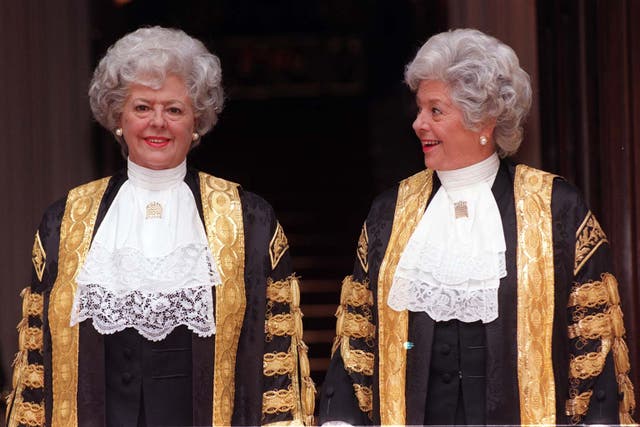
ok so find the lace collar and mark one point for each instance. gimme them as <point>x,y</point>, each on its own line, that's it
<point>453,262</point>
<point>149,266</point>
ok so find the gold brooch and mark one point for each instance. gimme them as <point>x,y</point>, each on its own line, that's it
<point>154,210</point>
<point>460,209</point>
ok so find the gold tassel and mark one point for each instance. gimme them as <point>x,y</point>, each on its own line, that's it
<point>298,324</point>
<point>628,403</point>
<point>25,293</point>
<point>625,419</point>
<point>295,292</point>
<point>340,321</point>
<point>621,356</point>
<point>308,399</point>
<point>22,324</point>
<point>345,349</point>
<point>617,324</point>
<point>612,288</point>
<point>303,350</point>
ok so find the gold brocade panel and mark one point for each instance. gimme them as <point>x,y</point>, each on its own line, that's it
<point>413,195</point>
<point>532,193</point>
<point>76,232</point>
<point>225,232</point>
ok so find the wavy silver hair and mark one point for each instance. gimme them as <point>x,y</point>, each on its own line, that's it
<point>147,56</point>
<point>484,78</point>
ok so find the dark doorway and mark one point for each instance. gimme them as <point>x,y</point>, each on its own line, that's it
<point>317,119</point>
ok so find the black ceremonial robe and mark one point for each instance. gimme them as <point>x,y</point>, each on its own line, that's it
<point>249,373</point>
<point>554,355</point>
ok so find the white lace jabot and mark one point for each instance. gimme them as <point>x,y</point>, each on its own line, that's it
<point>453,262</point>
<point>149,266</point>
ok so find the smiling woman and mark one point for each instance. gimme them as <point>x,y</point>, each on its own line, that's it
<point>483,291</point>
<point>143,308</point>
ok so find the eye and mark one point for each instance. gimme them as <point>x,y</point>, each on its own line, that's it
<point>435,111</point>
<point>174,111</point>
<point>141,108</point>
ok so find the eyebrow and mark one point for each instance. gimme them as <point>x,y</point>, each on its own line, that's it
<point>435,99</point>
<point>170,101</point>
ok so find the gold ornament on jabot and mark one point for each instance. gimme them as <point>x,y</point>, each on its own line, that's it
<point>153,210</point>
<point>460,209</point>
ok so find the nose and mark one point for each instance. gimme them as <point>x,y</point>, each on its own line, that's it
<point>421,122</point>
<point>157,118</point>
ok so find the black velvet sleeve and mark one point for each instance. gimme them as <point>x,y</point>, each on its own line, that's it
<point>348,392</point>
<point>31,387</point>
<point>272,365</point>
<point>598,389</point>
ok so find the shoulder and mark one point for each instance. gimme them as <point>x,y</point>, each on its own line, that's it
<point>96,187</point>
<point>566,198</point>
<point>55,211</point>
<point>384,205</point>
<point>255,203</point>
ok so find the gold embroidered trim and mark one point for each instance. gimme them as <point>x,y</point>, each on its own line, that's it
<point>532,193</point>
<point>278,401</point>
<point>31,339</point>
<point>354,325</point>
<point>25,374</point>
<point>277,364</point>
<point>363,248</point>
<point>279,291</point>
<point>590,364</point>
<point>356,360</point>
<point>32,304</point>
<point>278,246</point>
<point>591,294</point>
<point>76,231</point>
<point>33,376</point>
<point>578,405</point>
<point>30,414</point>
<point>38,256</point>
<point>365,398</point>
<point>295,363</point>
<point>620,353</point>
<point>222,211</point>
<point>355,294</point>
<point>589,237</point>
<point>413,194</point>
<point>592,327</point>
<point>280,325</point>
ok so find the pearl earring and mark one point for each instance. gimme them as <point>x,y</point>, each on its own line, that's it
<point>483,140</point>
<point>195,136</point>
<point>118,132</point>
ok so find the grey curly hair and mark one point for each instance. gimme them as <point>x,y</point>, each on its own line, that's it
<point>484,79</point>
<point>146,56</point>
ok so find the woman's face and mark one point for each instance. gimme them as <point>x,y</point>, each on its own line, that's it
<point>157,125</point>
<point>447,144</point>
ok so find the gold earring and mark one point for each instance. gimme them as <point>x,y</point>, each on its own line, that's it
<point>483,140</point>
<point>195,136</point>
<point>118,132</point>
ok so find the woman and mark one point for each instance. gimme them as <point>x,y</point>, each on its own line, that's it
<point>160,295</point>
<point>482,291</point>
